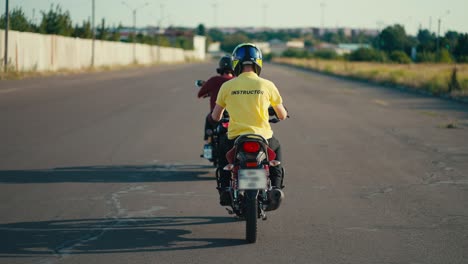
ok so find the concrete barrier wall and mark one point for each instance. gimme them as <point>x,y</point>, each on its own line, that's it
<point>38,52</point>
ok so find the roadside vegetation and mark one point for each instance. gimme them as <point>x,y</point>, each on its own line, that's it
<point>437,79</point>
<point>427,63</point>
<point>58,22</point>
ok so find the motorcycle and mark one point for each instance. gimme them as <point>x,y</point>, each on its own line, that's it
<point>250,188</point>
<point>251,191</point>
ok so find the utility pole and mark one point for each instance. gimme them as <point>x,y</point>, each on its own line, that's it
<point>7,26</point>
<point>438,36</point>
<point>93,50</point>
<point>439,21</point>
<point>161,6</point>
<point>134,26</point>
<point>215,14</point>
<point>265,7</point>
<point>134,35</point>
<point>322,17</point>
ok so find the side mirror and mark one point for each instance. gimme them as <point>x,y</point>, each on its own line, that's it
<point>199,83</point>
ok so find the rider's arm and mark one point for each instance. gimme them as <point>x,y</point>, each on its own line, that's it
<point>204,90</point>
<point>217,113</point>
<point>281,111</point>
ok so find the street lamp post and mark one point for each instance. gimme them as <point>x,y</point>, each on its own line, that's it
<point>93,50</point>
<point>265,7</point>
<point>7,26</point>
<point>134,12</point>
<point>322,17</point>
<point>439,21</point>
<point>159,31</point>
<point>215,14</point>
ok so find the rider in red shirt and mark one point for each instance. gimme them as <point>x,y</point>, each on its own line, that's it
<point>211,87</point>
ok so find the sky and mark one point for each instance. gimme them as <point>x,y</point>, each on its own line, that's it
<point>363,14</point>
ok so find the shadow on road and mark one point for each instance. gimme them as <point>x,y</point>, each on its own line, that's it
<point>120,235</point>
<point>148,173</point>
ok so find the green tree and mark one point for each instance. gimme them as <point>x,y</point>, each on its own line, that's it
<point>56,21</point>
<point>17,21</point>
<point>84,31</point>
<point>461,49</point>
<point>426,40</point>
<point>399,56</point>
<point>103,32</point>
<point>326,54</point>
<point>140,38</point>
<point>131,37</point>
<point>201,31</point>
<point>216,35</point>
<point>332,37</point>
<point>114,35</point>
<point>367,54</point>
<point>184,43</point>
<point>360,37</point>
<point>450,40</point>
<point>295,53</point>
<point>231,41</point>
<point>444,56</point>
<point>162,41</point>
<point>393,38</point>
<point>308,43</point>
<point>426,56</point>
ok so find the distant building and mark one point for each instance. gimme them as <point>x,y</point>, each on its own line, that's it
<point>125,32</point>
<point>325,46</point>
<point>365,32</point>
<point>342,49</point>
<point>214,50</point>
<point>214,47</point>
<point>316,31</point>
<point>277,46</point>
<point>295,44</point>
<point>264,47</point>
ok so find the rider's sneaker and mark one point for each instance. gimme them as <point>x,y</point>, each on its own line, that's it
<point>225,198</point>
<point>275,197</point>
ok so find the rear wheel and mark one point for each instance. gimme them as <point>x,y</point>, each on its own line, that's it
<point>251,214</point>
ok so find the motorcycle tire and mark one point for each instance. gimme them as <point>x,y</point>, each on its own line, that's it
<point>251,214</point>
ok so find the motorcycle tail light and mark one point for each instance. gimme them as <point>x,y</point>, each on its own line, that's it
<point>251,164</point>
<point>251,147</point>
<point>225,125</point>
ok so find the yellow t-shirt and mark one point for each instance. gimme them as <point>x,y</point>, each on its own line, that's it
<point>247,99</point>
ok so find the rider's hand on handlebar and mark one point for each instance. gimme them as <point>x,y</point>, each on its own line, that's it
<point>271,111</point>
<point>274,120</point>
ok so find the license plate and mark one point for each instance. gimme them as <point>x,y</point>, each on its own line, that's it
<point>252,179</point>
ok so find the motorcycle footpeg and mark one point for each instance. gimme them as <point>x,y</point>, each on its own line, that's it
<point>229,211</point>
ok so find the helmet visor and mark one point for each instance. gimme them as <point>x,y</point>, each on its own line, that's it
<point>248,53</point>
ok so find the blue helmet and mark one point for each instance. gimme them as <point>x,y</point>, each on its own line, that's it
<point>247,54</point>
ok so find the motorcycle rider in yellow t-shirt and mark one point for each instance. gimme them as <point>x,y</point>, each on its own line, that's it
<point>247,99</point>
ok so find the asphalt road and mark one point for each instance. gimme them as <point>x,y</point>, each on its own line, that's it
<point>105,168</point>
